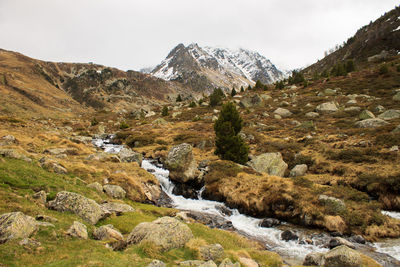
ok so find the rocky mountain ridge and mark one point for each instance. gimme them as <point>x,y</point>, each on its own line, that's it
<point>210,67</point>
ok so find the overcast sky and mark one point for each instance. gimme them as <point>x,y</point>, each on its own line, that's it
<point>131,34</point>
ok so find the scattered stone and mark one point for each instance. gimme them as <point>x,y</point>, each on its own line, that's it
<point>327,107</point>
<point>352,109</point>
<point>329,92</point>
<point>358,239</point>
<point>396,97</point>
<point>96,186</point>
<point>107,232</point>
<point>265,97</point>
<point>278,117</point>
<point>270,222</point>
<point>288,235</point>
<point>366,114</point>
<point>326,200</point>
<point>30,243</point>
<point>160,121</point>
<point>166,232</point>
<point>298,170</point>
<point>52,165</point>
<point>16,225</point>
<point>84,207</point>
<point>156,263</point>
<point>284,113</point>
<point>228,263</point>
<point>114,191</point>
<point>10,153</point>
<point>397,129</point>
<point>181,163</point>
<point>128,155</point>
<point>45,218</point>
<point>352,102</point>
<point>197,263</point>
<point>340,241</point>
<point>394,149</point>
<point>81,139</point>
<point>78,230</point>
<point>211,252</point>
<point>371,123</point>
<point>342,256</point>
<point>116,207</point>
<point>251,101</point>
<point>40,197</point>
<point>390,114</point>
<point>271,163</point>
<point>312,115</point>
<point>8,140</point>
<point>380,109</point>
<point>247,262</point>
<point>314,259</point>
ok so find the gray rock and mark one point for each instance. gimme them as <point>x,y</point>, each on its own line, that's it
<point>298,170</point>
<point>197,263</point>
<point>327,200</point>
<point>107,232</point>
<point>40,197</point>
<point>78,230</point>
<point>114,191</point>
<point>342,256</point>
<point>128,155</point>
<point>284,113</point>
<point>211,252</point>
<point>314,259</point>
<point>340,241</point>
<point>118,208</point>
<point>30,243</point>
<point>8,140</point>
<point>352,109</point>
<point>156,263</point>
<point>357,239</point>
<point>396,97</point>
<point>84,207</point>
<point>352,102</point>
<point>159,121</point>
<point>312,115</point>
<point>52,165</point>
<point>329,92</point>
<point>16,225</point>
<point>366,114</point>
<point>81,139</point>
<point>288,235</point>
<point>181,163</point>
<point>397,129</point>
<point>390,114</point>
<point>327,107</point>
<point>379,109</point>
<point>271,163</point>
<point>96,186</point>
<point>228,263</point>
<point>166,232</point>
<point>370,123</point>
<point>251,101</point>
<point>270,222</point>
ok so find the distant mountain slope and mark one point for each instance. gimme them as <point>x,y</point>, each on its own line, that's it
<point>373,42</point>
<point>208,67</point>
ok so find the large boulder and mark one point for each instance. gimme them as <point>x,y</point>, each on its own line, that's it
<point>117,208</point>
<point>340,241</point>
<point>371,123</point>
<point>128,155</point>
<point>114,191</point>
<point>288,235</point>
<point>327,107</point>
<point>181,163</point>
<point>84,207</point>
<point>390,114</point>
<point>251,101</point>
<point>78,230</point>
<point>283,112</point>
<point>314,259</point>
<point>271,163</point>
<point>343,256</point>
<point>107,232</point>
<point>16,225</point>
<point>166,232</point>
<point>211,252</point>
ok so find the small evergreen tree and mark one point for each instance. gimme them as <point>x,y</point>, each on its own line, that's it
<point>164,111</point>
<point>384,69</point>
<point>350,66</point>
<point>233,92</point>
<point>192,104</point>
<point>179,98</point>
<point>249,87</point>
<point>258,85</point>
<point>216,97</point>
<point>279,85</point>
<point>229,145</point>
<point>241,89</point>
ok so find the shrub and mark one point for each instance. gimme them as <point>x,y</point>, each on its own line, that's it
<point>94,122</point>
<point>353,155</point>
<point>233,92</point>
<point>123,125</point>
<point>164,111</point>
<point>388,139</point>
<point>350,66</point>
<point>229,145</point>
<point>242,89</point>
<point>179,98</point>
<point>383,69</point>
<point>398,68</point>
<point>139,140</point>
<point>192,104</point>
<point>216,97</point>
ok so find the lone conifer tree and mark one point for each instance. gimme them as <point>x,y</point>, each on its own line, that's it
<point>229,145</point>
<point>233,92</point>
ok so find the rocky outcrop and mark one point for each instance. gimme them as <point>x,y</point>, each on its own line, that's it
<point>114,191</point>
<point>181,163</point>
<point>371,123</point>
<point>327,107</point>
<point>342,256</point>
<point>270,163</point>
<point>84,207</point>
<point>78,230</point>
<point>166,232</point>
<point>16,225</point>
<point>107,232</point>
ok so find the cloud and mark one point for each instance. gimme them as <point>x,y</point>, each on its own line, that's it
<point>130,34</point>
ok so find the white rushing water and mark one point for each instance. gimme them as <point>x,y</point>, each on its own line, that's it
<point>245,224</point>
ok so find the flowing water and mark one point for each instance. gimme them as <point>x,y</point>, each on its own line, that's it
<point>291,251</point>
